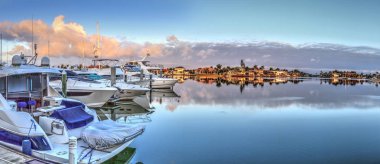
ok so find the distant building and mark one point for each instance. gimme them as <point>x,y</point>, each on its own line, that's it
<point>280,73</point>
<point>205,70</point>
<point>179,71</point>
<point>335,75</point>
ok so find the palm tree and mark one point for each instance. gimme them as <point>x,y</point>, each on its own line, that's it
<point>219,67</point>
<point>242,64</point>
<point>255,67</point>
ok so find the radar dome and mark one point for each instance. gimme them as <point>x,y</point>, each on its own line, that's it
<point>45,62</point>
<point>16,60</point>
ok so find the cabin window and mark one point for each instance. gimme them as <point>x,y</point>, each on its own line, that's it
<point>78,93</point>
<point>28,85</point>
<point>38,142</point>
<point>2,85</point>
<point>17,84</point>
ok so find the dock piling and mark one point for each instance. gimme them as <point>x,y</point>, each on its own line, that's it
<point>72,150</point>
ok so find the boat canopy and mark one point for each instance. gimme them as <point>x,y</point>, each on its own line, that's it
<point>73,115</point>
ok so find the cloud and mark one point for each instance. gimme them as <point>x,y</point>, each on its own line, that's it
<point>69,39</point>
<point>266,56</point>
<point>172,38</point>
<point>203,54</point>
<point>18,49</point>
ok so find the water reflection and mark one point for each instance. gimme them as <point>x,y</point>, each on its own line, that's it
<point>262,121</point>
<point>127,111</point>
<point>166,96</point>
<point>275,93</point>
<point>337,81</point>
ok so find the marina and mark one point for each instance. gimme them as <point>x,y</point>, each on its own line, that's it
<point>56,122</point>
<point>189,82</point>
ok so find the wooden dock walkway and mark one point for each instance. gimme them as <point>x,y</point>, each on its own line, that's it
<point>8,156</point>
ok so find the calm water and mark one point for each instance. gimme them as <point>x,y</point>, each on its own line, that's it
<point>297,122</point>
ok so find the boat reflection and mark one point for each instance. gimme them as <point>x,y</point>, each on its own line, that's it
<point>163,95</point>
<point>136,110</point>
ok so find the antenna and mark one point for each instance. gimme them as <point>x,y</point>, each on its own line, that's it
<point>48,48</point>
<point>34,47</point>
<point>7,53</point>
<point>32,34</point>
<point>97,30</point>
<point>98,53</point>
<point>1,48</point>
<point>48,44</point>
<point>98,42</point>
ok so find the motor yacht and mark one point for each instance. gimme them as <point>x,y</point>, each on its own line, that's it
<point>34,117</point>
<point>124,89</point>
<point>141,68</point>
<point>90,92</point>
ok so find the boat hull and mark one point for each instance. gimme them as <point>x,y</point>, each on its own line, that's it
<point>92,98</point>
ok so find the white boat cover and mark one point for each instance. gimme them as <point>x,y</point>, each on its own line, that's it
<point>106,134</point>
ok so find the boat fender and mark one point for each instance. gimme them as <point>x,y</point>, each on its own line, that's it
<point>27,147</point>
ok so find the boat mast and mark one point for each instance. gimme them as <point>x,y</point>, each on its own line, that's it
<point>83,45</point>
<point>48,53</point>
<point>7,54</point>
<point>34,46</point>
<point>32,35</point>
<point>98,42</point>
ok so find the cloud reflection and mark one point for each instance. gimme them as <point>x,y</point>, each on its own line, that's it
<point>309,93</point>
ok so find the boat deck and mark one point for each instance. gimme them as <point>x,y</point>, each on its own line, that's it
<point>8,155</point>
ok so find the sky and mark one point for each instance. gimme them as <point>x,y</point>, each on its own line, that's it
<point>152,24</point>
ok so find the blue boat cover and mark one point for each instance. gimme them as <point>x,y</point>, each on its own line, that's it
<point>68,104</point>
<point>74,116</point>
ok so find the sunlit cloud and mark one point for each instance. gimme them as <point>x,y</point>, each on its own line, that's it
<point>69,39</point>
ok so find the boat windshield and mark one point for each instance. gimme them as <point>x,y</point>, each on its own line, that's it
<point>130,68</point>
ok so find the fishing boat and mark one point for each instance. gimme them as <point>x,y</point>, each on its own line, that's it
<point>35,119</point>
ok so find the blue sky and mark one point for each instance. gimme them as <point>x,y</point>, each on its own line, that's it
<point>346,22</point>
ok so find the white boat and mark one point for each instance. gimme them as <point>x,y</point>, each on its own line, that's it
<point>142,69</point>
<point>124,90</point>
<point>50,122</point>
<point>92,93</point>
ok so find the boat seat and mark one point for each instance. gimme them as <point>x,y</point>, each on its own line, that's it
<point>22,106</point>
<point>74,117</point>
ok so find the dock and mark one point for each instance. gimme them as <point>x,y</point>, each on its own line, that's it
<point>8,155</point>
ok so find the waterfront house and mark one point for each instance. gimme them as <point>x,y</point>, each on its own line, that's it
<point>179,71</point>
